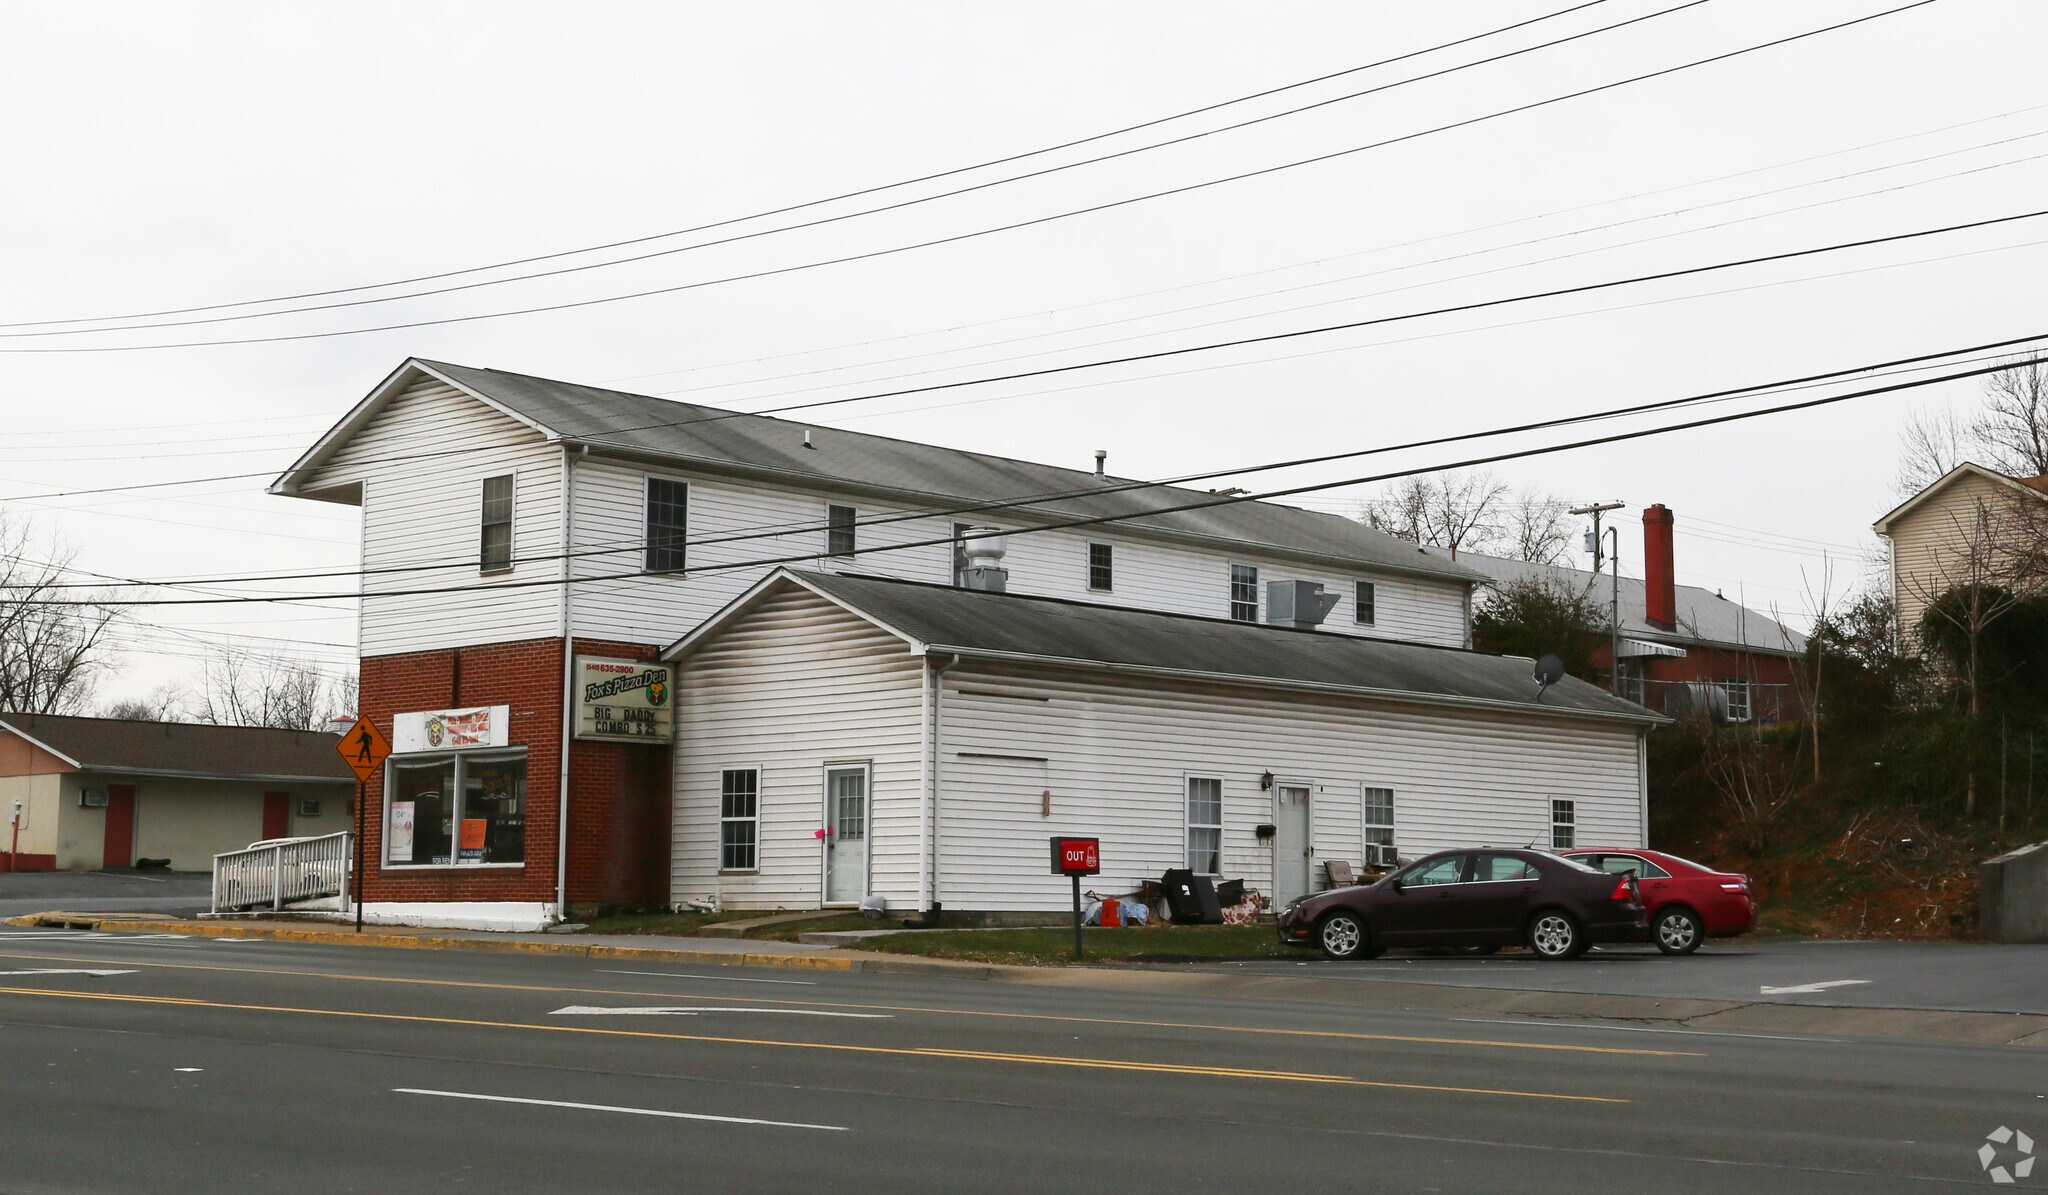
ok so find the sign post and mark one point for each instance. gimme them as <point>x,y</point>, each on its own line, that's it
<point>365,748</point>
<point>1074,858</point>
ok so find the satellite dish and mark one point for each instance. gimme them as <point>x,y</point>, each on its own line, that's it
<point>1549,671</point>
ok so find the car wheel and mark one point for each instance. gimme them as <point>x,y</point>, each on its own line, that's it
<point>1343,936</point>
<point>1554,936</point>
<point>1678,931</point>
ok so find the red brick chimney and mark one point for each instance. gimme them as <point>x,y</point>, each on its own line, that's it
<point>1660,586</point>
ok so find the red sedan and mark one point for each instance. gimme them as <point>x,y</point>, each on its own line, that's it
<point>1688,903</point>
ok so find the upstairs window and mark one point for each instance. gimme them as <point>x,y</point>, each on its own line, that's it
<point>1101,573</point>
<point>839,530</point>
<point>1366,604</point>
<point>1244,593</point>
<point>495,552</point>
<point>668,524</point>
<point>1564,825</point>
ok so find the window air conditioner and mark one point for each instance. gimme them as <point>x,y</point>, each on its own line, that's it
<point>1381,855</point>
<point>309,807</point>
<point>92,798</point>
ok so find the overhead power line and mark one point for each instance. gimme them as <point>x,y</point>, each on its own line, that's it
<point>865,191</point>
<point>1206,503</point>
<point>975,233</point>
<point>1212,346</point>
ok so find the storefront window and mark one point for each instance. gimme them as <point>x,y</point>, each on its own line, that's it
<point>453,810</point>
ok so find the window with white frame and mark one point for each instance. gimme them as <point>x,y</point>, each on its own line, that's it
<point>1564,825</point>
<point>668,524</point>
<point>739,819</point>
<point>1244,593</point>
<point>1101,568</point>
<point>495,551</point>
<point>1205,825</point>
<point>1365,603</point>
<point>1737,689</point>
<point>460,809</point>
<point>839,530</point>
<point>1377,824</point>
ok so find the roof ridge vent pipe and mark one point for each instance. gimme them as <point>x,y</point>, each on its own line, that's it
<point>1660,582</point>
<point>1101,458</point>
<point>984,548</point>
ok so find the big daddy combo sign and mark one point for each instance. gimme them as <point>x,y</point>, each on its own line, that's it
<point>624,701</point>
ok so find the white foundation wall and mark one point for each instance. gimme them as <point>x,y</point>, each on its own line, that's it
<point>793,686</point>
<point>784,523</point>
<point>1115,755</point>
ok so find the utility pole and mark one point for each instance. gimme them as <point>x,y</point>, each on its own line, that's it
<point>1594,546</point>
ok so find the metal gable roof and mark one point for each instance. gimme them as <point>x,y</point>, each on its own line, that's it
<point>183,748</point>
<point>942,618</point>
<point>729,441</point>
<point>1704,617</point>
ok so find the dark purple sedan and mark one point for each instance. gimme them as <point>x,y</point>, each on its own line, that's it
<point>1487,897</point>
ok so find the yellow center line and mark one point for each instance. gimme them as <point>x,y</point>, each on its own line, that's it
<point>1164,1068</point>
<point>951,1012</point>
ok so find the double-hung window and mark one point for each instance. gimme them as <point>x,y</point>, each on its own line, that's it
<point>1365,604</point>
<point>839,530</point>
<point>1564,825</point>
<point>495,551</point>
<point>1244,593</point>
<point>668,524</point>
<point>1737,689</point>
<point>467,807</point>
<point>1101,570</point>
<point>1205,825</point>
<point>1377,823</point>
<point>739,819</point>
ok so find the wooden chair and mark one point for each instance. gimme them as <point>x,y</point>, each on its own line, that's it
<point>1341,875</point>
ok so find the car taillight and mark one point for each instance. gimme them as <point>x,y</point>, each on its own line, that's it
<point>1624,892</point>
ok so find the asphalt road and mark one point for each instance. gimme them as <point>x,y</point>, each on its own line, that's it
<point>179,893</point>
<point>210,1064</point>
<point>1952,976</point>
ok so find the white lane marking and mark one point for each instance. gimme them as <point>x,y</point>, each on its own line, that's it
<point>805,983</point>
<point>1641,1029</point>
<point>1809,989</point>
<point>513,1099</point>
<point>65,971</point>
<point>586,1010</point>
<point>189,1070</point>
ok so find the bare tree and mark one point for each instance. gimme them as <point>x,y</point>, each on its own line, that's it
<point>1933,442</point>
<point>51,650</point>
<point>1757,784</point>
<point>1473,512</point>
<point>161,704</point>
<point>1809,665</point>
<point>2012,429</point>
<point>242,688</point>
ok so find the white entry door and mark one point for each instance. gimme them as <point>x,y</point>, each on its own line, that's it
<point>1293,850</point>
<point>846,834</point>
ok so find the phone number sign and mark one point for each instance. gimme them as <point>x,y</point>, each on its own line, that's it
<point>1076,856</point>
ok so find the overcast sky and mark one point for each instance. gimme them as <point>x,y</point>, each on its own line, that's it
<point>173,156</point>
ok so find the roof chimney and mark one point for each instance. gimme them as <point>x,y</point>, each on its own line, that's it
<point>984,548</point>
<point>1101,455</point>
<point>1660,586</point>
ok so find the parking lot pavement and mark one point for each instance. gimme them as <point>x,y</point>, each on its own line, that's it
<point>1949,976</point>
<point>174,892</point>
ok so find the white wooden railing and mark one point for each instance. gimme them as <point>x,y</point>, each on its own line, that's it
<point>279,874</point>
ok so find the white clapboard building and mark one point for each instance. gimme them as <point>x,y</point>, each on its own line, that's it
<point>525,539</point>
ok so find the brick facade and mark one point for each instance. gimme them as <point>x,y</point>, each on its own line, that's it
<point>619,812</point>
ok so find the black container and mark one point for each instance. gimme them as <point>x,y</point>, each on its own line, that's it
<point>1230,892</point>
<point>1191,898</point>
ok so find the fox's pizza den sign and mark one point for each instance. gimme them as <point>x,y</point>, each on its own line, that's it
<point>624,701</point>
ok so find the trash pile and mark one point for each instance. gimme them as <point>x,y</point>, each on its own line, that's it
<point>1180,897</point>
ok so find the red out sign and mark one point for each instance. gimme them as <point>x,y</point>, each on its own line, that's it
<point>1076,856</point>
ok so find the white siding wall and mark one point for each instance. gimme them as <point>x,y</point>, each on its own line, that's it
<point>795,685</point>
<point>798,683</point>
<point>1117,754</point>
<point>1956,536</point>
<point>429,511</point>
<point>610,501</point>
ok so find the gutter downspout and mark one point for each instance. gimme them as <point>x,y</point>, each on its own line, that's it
<point>928,833</point>
<point>569,459</point>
